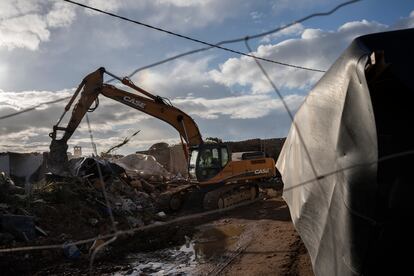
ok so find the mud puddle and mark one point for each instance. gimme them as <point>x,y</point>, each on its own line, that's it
<point>210,245</point>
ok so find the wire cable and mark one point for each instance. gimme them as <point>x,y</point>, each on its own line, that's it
<point>288,111</point>
<point>241,39</point>
<point>198,215</point>
<point>218,45</point>
<point>210,46</point>
<point>33,107</point>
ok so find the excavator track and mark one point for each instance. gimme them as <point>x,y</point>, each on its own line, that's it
<point>227,196</point>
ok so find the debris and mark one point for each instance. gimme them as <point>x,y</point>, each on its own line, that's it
<point>40,200</point>
<point>93,221</point>
<point>129,206</point>
<point>136,184</point>
<point>41,231</point>
<point>149,188</point>
<point>71,251</point>
<point>96,244</point>
<point>142,166</point>
<point>134,222</point>
<point>6,238</point>
<point>126,140</point>
<point>161,214</point>
<point>21,196</point>
<point>7,185</point>
<point>88,167</point>
<point>21,227</point>
<point>24,211</point>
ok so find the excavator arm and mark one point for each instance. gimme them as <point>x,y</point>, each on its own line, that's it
<point>90,88</point>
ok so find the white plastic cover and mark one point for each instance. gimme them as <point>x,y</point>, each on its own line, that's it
<point>335,128</point>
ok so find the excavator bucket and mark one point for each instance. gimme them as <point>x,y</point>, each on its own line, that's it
<point>58,162</point>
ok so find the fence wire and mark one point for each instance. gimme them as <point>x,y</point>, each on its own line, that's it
<point>115,234</point>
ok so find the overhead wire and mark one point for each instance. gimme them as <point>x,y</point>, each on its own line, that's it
<point>131,231</point>
<point>33,107</point>
<point>108,206</point>
<point>218,45</point>
<point>247,37</point>
<point>210,46</point>
<point>287,109</point>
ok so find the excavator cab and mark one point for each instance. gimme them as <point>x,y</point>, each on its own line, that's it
<point>207,160</point>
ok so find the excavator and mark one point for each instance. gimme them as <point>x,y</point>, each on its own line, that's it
<point>222,181</point>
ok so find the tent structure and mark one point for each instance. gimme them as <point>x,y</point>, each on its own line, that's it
<point>347,161</point>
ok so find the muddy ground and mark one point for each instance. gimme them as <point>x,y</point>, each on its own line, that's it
<point>256,239</point>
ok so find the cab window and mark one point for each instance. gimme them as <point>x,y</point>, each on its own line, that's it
<point>209,163</point>
<point>192,165</point>
<point>224,157</point>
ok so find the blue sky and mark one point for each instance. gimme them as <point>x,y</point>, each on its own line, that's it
<point>47,47</point>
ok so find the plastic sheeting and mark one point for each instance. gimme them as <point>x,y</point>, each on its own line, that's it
<point>352,218</point>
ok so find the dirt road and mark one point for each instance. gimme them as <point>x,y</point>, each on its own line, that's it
<point>275,247</point>
<point>268,245</point>
<point>256,239</point>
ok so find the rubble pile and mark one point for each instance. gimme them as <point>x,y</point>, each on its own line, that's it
<point>141,166</point>
<point>63,209</point>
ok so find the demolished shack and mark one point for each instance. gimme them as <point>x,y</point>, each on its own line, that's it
<point>354,217</point>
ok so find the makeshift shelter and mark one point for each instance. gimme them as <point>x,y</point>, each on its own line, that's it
<point>351,211</point>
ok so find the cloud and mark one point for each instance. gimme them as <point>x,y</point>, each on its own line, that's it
<point>314,48</point>
<point>293,30</point>
<point>256,16</point>
<point>407,22</point>
<point>279,6</point>
<point>106,5</point>
<point>178,79</point>
<point>185,15</point>
<point>237,107</point>
<point>26,31</point>
<point>26,24</point>
<point>60,15</point>
<point>15,8</point>
<point>234,94</point>
<point>112,121</point>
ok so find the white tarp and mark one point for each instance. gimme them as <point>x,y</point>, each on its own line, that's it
<point>344,217</point>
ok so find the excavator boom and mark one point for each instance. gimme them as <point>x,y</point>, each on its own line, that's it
<point>90,88</point>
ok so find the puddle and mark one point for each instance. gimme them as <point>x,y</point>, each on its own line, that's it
<point>210,242</point>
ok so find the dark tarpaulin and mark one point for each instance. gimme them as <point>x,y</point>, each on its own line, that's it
<point>356,221</point>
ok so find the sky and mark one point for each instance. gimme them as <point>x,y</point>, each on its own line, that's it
<point>48,46</point>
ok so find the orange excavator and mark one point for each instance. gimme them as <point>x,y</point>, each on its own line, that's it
<point>223,182</point>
